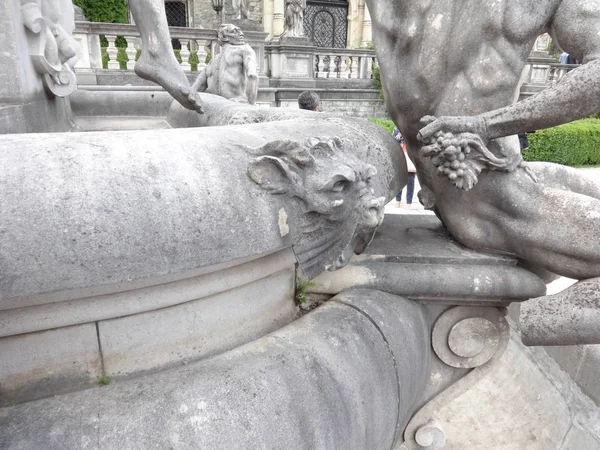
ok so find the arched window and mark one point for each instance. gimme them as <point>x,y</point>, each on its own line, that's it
<point>325,22</point>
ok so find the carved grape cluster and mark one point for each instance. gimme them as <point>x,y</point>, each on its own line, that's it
<point>450,154</point>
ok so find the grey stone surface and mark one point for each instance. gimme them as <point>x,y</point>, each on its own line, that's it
<point>507,212</point>
<point>514,407</point>
<point>343,376</point>
<point>37,116</point>
<point>194,330</point>
<point>53,361</point>
<point>120,102</point>
<point>589,373</point>
<point>64,309</point>
<point>523,401</point>
<point>414,256</point>
<point>120,209</point>
<point>232,73</point>
<point>144,329</point>
<point>578,439</point>
<point>568,318</point>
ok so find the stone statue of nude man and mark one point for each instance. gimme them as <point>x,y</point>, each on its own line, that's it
<point>232,73</point>
<point>450,70</point>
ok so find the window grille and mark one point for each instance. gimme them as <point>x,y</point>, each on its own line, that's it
<point>326,23</point>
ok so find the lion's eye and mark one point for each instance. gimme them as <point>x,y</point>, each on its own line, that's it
<point>340,185</point>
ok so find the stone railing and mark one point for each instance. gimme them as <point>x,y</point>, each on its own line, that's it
<point>192,42</point>
<point>335,63</point>
<point>196,43</point>
<point>545,72</point>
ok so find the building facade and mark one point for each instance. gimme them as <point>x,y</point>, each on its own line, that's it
<point>327,23</point>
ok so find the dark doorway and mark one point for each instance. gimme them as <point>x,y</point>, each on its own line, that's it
<point>326,23</point>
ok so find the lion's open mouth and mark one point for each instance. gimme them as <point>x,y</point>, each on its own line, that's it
<point>363,234</point>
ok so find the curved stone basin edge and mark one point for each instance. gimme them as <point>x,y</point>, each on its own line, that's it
<point>347,375</point>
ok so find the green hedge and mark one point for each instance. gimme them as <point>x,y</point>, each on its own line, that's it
<point>386,124</point>
<point>573,144</point>
<point>111,11</point>
<point>122,58</point>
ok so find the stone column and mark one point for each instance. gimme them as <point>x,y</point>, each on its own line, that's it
<point>367,37</point>
<point>268,17</point>
<point>278,19</point>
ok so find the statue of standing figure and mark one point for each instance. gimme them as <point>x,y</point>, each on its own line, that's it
<point>294,17</point>
<point>232,73</point>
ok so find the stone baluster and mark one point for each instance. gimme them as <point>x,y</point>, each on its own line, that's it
<point>332,72</point>
<point>321,73</point>
<point>354,67</point>
<point>371,64</point>
<point>131,52</point>
<point>185,55</point>
<point>112,52</point>
<point>345,67</point>
<point>201,45</point>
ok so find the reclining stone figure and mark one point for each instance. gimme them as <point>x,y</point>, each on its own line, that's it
<point>463,66</point>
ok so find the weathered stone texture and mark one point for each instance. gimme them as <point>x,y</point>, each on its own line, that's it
<point>197,329</point>
<point>50,362</point>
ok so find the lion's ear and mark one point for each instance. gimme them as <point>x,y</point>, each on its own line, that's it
<point>273,174</point>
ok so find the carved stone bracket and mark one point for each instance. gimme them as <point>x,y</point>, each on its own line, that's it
<point>51,49</point>
<point>463,337</point>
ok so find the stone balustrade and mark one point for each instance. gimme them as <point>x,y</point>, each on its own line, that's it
<point>198,42</point>
<point>335,63</point>
<point>194,44</point>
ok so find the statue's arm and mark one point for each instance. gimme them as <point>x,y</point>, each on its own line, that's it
<point>251,75</point>
<point>576,28</point>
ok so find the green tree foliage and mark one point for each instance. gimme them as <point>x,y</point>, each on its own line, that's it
<point>573,144</point>
<point>112,11</point>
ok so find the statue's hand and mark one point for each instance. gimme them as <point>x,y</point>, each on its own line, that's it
<point>451,124</point>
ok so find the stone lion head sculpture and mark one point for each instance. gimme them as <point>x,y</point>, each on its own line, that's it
<point>335,211</point>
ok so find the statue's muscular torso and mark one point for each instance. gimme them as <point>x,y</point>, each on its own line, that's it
<point>232,76</point>
<point>454,57</point>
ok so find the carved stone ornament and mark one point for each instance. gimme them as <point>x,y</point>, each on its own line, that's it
<point>51,47</point>
<point>461,157</point>
<point>336,213</point>
<point>463,337</point>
